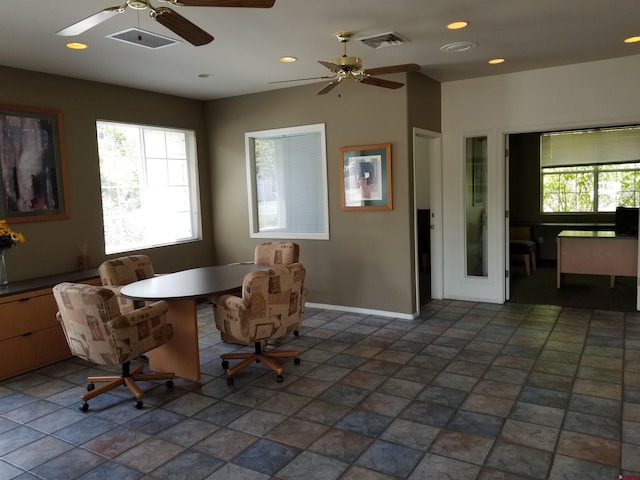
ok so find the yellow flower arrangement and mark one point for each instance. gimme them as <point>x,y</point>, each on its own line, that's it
<point>9,238</point>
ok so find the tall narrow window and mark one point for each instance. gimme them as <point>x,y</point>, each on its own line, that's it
<point>475,151</point>
<point>287,183</point>
<point>149,186</point>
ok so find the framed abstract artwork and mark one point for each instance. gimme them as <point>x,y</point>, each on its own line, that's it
<point>366,177</point>
<point>32,165</point>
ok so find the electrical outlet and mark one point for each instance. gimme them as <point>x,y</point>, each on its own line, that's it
<point>540,240</point>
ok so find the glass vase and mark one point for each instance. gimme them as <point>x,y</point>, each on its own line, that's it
<point>4,281</point>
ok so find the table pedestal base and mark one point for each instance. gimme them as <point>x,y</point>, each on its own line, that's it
<point>181,354</point>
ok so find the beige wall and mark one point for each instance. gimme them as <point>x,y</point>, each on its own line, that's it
<point>368,261</point>
<point>52,246</point>
<point>366,264</point>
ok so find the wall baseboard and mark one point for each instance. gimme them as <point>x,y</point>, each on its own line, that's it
<point>366,311</point>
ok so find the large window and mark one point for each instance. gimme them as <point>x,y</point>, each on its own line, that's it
<point>287,183</point>
<point>149,186</point>
<point>590,171</point>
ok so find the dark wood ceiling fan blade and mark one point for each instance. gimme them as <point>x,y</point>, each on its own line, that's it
<point>90,22</point>
<point>227,3</point>
<point>303,79</point>
<point>378,82</point>
<point>331,66</point>
<point>328,87</point>
<point>406,67</point>
<point>181,26</point>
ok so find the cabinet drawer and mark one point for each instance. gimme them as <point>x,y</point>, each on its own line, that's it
<point>28,314</point>
<point>25,353</point>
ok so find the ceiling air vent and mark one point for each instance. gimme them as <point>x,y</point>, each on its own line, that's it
<point>383,40</point>
<point>143,38</point>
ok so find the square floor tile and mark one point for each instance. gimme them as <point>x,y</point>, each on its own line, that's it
<point>266,456</point>
<point>437,467</point>
<point>520,460</point>
<point>462,446</point>
<point>341,444</point>
<point>390,458</point>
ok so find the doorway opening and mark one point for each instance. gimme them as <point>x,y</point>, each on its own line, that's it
<point>527,210</point>
<point>427,187</point>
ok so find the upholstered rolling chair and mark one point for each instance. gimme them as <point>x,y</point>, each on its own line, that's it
<point>272,304</point>
<point>521,247</point>
<point>273,254</point>
<point>276,253</point>
<point>116,273</point>
<point>97,332</point>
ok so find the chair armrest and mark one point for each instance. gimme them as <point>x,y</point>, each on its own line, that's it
<point>230,302</point>
<point>139,315</point>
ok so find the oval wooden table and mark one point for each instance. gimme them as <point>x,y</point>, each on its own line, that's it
<point>182,290</point>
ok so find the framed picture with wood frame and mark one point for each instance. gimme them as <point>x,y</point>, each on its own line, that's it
<point>366,177</point>
<point>32,165</point>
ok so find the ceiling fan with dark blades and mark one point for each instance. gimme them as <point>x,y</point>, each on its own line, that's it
<point>165,16</point>
<point>345,67</point>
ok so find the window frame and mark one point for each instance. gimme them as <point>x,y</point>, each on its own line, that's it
<point>252,189</point>
<point>144,163</point>
<point>598,156</point>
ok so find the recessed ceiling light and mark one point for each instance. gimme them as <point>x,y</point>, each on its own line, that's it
<point>632,40</point>
<point>457,25</point>
<point>496,61</point>
<point>456,47</point>
<point>288,59</point>
<point>205,75</point>
<point>76,46</point>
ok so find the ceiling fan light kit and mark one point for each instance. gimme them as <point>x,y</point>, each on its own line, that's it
<point>166,16</point>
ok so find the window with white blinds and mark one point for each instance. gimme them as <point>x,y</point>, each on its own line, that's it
<point>590,147</point>
<point>287,183</point>
<point>590,171</point>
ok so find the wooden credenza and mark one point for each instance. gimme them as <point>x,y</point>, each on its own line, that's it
<point>30,335</point>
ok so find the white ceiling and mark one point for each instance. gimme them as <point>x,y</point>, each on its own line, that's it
<point>243,58</point>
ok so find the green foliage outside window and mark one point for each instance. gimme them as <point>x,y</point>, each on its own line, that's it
<point>590,188</point>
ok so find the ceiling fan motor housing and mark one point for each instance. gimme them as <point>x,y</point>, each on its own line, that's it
<point>348,63</point>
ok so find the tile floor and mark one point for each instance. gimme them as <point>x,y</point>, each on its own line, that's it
<point>468,391</point>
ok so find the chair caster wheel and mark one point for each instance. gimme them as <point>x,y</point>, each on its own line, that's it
<point>90,387</point>
<point>84,407</point>
<point>279,378</point>
<point>169,384</point>
<point>225,364</point>
<point>296,361</point>
<point>230,381</point>
<point>139,404</point>
<point>296,333</point>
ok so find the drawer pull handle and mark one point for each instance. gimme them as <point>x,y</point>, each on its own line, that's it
<point>24,299</point>
<point>27,334</point>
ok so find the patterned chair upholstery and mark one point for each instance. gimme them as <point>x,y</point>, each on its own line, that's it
<point>273,254</point>
<point>276,253</point>
<point>116,273</point>
<point>272,305</point>
<point>97,332</point>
